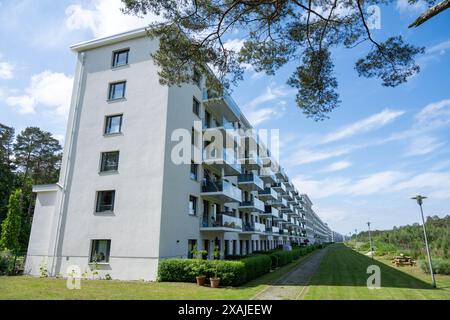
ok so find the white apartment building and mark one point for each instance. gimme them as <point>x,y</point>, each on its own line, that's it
<point>122,203</point>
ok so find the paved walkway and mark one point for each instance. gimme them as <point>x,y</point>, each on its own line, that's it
<point>293,285</point>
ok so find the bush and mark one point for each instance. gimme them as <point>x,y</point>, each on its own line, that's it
<point>440,266</point>
<point>7,263</point>
<point>231,273</point>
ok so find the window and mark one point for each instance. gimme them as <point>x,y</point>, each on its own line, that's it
<point>120,58</point>
<point>113,124</point>
<point>110,161</point>
<point>193,136</point>
<point>197,78</point>
<point>192,244</point>
<point>192,205</point>
<point>100,251</point>
<point>117,90</point>
<point>194,171</point>
<point>105,201</point>
<point>196,107</point>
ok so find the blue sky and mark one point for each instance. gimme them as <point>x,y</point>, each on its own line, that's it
<point>382,146</point>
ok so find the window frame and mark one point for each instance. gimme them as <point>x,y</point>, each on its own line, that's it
<point>196,106</point>
<point>110,90</point>
<point>97,201</point>
<point>102,155</point>
<point>117,53</point>
<point>193,175</point>
<point>197,81</point>
<point>93,247</point>
<point>106,124</point>
<point>194,200</point>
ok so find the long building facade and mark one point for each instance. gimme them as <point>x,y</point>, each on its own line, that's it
<point>124,201</point>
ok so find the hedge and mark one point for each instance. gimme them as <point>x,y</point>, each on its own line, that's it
<point>231,273</point>
<point>440,266</point>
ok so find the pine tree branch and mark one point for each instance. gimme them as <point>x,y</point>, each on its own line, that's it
<point>430,13</point>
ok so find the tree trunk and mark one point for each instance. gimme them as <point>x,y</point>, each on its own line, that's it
<point>430,13</point>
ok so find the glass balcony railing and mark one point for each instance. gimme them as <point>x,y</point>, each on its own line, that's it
<point>272,211</point>
<point>254,204</point>
<point>223,187</point>
<point>251,178</point>
<point>268,193</point>
<point>273,229</point>
<point>223,220</point>
<point>211,95</point>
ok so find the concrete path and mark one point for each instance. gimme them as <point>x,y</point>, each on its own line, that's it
<point>293,285</point>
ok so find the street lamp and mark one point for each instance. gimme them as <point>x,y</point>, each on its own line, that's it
<point>370,241</point>
<point>419,200</point>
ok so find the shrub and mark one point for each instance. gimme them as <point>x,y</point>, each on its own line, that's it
<point>7,263</point>
<point>256,266</point>
<point>440,266</point>
<point>274,261</point>
<point>231,273</point>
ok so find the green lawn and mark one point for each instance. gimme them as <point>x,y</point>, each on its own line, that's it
<point>342,275</point>
<point>35,288</point>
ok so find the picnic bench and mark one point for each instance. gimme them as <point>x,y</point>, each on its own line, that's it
<point>403,260</point>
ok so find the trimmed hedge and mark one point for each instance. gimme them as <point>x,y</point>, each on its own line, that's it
<point>231,273</point>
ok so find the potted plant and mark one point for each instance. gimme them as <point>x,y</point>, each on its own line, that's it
<point>215,281</point>
<point>197,254</point>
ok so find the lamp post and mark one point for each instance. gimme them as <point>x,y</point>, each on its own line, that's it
<point>419,200</point>
<point>370,241</point>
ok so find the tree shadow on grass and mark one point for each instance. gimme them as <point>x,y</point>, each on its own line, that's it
<point>346,267</point>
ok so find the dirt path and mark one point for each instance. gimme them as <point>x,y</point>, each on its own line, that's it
<point>293,285</point>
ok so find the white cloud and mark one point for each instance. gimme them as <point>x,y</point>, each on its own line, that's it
<point>234,44</point>
<point>104,18</point>
<point>373,122</point>
<point>271,93</point>
<point>50,89</point>
<point>258,116</point>
<point>6,70</point>
<point>423,145</point>
<point>375,183</point>
<point>403,6</point>
<point>337,166</point>
<point>439,48</point>
<point>434,115</point>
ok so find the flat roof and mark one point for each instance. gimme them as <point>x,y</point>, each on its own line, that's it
<point>46,187</point>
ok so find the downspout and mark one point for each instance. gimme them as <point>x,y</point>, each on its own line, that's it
<point>63,187</point>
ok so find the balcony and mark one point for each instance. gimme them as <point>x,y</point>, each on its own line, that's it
<point>281,217</point>
<point>268,194</point>
<point>288,196</point>
<point>254,205</point>
<point>222,104</point>
<point>228,130</point>
<point>280,174</point>
<point>269,212</point>
<point>268,176</point>
<point>279,203</point>
<point>222,191</point>
<point>284,231</point>
<point>221,158</point>
<point>252,161</point>
<point>274,230</point>
<point>250,182</point>
<point>279,187</point>
<point>289,209</point>
<point>255,228</point>
<point>290,186</point>
<point>223,222</point>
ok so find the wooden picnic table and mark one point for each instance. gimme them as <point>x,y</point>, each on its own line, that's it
<point>403,260</point>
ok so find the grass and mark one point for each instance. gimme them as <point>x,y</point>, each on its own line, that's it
<point>23,287</point>
<point>342,275</point>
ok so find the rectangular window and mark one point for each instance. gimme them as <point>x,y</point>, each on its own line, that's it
<point>192,244</point>
<point>193,136</point>
<point>110,161</point>
<point>105,201</point>
<point>194,171</point>
<point>117,90</point>
<point>100,251</point>
<point>120,58</point>
<point>113,124</point>
<point>192,205</point>
<point>197,78</point>
<point>196,107</point>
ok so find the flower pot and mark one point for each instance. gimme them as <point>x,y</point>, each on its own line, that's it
<point>200,280</point>
<point>214,282</point>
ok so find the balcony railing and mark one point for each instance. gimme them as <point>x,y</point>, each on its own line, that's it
<point>254,204</point>
<point>280,187</point>
<point>251,160</point>
<point>211,95</point>
<point>221,157</point>
<point>273,230</point>
<point>268,193</point>
<point>269,210</point>
<point>223,220</point>
<point>222,188</point>
<point>251,178</point>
